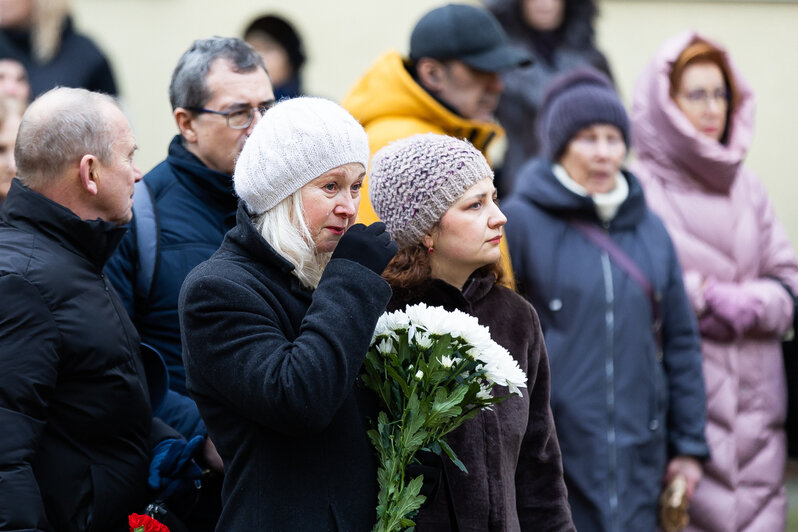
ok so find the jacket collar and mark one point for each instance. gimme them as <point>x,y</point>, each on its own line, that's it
<point>537,184</point>
<point>94,240</point>
<point>439,293</point>
<point>212,187</point>
<point>246,238</point>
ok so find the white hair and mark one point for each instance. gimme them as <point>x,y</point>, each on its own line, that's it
<point>284,228</point>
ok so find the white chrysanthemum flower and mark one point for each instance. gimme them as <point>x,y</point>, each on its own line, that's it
<point>423,340</point>
<point>419,375</point>
<point>446,361</point>
<point>437,320</point>
<point>385,346</point>
<point>484,393</point>
<point>389,322</point>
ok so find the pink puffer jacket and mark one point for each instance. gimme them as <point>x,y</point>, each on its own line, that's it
<point>731,248</point>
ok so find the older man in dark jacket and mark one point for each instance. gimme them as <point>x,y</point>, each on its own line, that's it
<point>74,402</point>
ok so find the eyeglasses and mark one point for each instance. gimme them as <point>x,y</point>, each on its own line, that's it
<point>703,96</point>
<point>238,119</point>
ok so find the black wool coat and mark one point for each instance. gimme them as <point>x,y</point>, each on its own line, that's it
<point>515,477</point>
<point>75,413</point>
<point>272,366</point>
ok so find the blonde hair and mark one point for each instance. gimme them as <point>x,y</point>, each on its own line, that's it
<point>47,27</point>
<point>284,228</point>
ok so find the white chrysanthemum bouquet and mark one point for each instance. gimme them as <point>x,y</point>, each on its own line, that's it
<point>432,370</point>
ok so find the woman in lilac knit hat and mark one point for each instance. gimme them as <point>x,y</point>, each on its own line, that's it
<point>437,198</point>
<point>692,122</point>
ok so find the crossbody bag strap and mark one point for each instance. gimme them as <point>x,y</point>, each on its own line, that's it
<point>603,241</point>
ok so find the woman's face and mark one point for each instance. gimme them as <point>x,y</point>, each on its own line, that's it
<point>16,13</point>
<point>468,234</point>
<point>704,99</point>
<point>274,56</point>
<point>330,202</point>
<point>543,15</point>
<point>594,157</point>
<point>8,137</point>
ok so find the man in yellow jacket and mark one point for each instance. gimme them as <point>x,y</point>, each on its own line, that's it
<point>449,85</point>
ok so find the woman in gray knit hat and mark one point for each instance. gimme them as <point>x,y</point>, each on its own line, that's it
<point>626,385</point>
<point>436,196</point>
<point>277,323</point>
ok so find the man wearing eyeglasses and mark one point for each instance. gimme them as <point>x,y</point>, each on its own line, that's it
<point>219,91</point>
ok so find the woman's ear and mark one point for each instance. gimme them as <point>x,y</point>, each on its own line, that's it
<point>428,241</point>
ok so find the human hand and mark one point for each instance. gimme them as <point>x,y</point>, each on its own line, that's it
<point>370,246</point>
<point>211,457</point>
<point>689,468</point>
<point>731,303</point>
<point>172,467</point>
<point>715,329</point>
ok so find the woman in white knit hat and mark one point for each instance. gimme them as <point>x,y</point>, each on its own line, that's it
<point>436,196</point>
<point>277,323</point>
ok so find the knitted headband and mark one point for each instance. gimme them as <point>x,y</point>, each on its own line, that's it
<point>414,181</point>
<point>295,142</point>
<point>574,101</point>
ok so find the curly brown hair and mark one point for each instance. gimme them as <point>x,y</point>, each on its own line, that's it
<point>411,267</point>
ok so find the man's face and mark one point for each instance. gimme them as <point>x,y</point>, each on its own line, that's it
<point>210,139</point>
<point>117,176</point>
<point>474,94</point>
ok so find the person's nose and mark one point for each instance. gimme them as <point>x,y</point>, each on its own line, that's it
<point>495,83</point>
<point>602,149</point>
<point>497,218</point>
<point>137,175</point>
<point>345,206</point>
<point>713,105</point>
<point>256,117</point>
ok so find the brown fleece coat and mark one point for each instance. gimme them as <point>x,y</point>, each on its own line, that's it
<point>514,479</point>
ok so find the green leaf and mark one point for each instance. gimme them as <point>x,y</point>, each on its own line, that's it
<point>398,380</point>
<point>452,456</point>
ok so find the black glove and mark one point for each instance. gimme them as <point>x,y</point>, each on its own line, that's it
<point>370,246</point>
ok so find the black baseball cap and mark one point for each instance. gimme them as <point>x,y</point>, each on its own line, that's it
<point>469,34</point>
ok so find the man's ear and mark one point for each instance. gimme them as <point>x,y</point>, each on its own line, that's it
<point>430,73</point>
<point>89,174</point>
<point>185,122</point>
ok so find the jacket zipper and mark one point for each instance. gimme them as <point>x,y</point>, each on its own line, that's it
<point>609,371</point>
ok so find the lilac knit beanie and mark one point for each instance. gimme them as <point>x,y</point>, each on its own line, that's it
<point>573,101</point>
<point>414,181</point>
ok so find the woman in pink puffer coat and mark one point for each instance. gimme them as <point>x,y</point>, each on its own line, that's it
<point>692,122</point>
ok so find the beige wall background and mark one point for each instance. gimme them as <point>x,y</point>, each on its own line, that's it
<point>145,38</point>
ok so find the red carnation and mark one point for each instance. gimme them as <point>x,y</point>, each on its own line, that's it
<point>145,523</point>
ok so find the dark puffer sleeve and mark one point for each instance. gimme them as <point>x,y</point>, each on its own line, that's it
<point>28,374</point>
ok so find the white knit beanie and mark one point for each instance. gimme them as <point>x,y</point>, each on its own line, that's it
<point>295,142</point>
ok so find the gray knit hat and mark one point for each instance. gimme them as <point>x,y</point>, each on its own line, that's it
<point>295,142</point>
<point>576,100</point>
<point>414,181</point>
